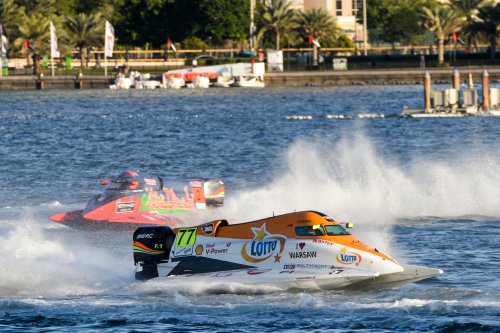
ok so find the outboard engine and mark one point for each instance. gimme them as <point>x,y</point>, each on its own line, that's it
<point>151,246</point>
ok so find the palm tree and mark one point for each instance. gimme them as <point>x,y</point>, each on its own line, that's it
<point>10,13</point>
<point>469,9</point>
<point>85,31</point>
<point>35,28</point>
<point>442,21</point>
<point>488,24</point>
<point>278,17</point>
<point>320,24</point>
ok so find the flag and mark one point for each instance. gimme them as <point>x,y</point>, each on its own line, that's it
<point>109,40</point>
<point>27,45</point>
<point>311,38</point>
<point>171,45</point>
<point>454,36</point>
<point>54,52</point>
<point>316,42</point>
<point>4,41</point>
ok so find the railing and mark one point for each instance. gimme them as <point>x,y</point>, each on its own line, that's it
<point>157,61</point>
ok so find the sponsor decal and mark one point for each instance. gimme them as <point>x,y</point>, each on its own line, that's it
<point>199,249</point>
<point>300,246</point>
<point>186,251</point>
<point>184,242</point>
<point>207,228</point>
<point>313,266</point>
<point>125,207</point>
<point>211,250</point>
<point>139,247</point>
<point>302,254</point>
<point>145,236</point>
<point>306,278</point>
<point>186,237</point>
<point>263,246</point>
<point>149,181</point>
<point>337,268</point>
<point>289,266</point>
<point>258,271</point>
<point>167,201</point>
<point>348,258</point>
<point>324,242</point>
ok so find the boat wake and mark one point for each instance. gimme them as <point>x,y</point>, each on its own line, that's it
<point>352,181</point>
<point>39,261</point>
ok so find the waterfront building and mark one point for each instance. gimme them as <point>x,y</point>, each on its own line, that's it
<point>345,12</point>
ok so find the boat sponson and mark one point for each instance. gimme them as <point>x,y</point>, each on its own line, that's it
<point>411,273</point>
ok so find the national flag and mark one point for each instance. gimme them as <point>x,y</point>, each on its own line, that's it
<point>27,45</point>
<point>316,42</point>
<point>54,52</point>
<point>171,45</point>
<point>109,40</point>
<point>4,41</point>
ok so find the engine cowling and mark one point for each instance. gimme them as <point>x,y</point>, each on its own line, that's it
<point>151,246</point>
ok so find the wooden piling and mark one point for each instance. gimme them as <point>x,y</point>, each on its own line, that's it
<point>471,82</point>
<point>427,91</point>
<point>456,80</point>
<point>79,81</point>
<point>486,90</point>
<point>39,84</point>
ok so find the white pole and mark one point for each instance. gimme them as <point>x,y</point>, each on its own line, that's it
<point>365,30</point>
<point>105,58</point>
<point>1,50</point>
<point>252,26</point>
<point>52,64</point>
<point>105,48</point>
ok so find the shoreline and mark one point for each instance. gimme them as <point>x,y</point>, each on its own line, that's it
<point>296,79</point>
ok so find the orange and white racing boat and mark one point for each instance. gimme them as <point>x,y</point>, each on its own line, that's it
<point>297,250</point>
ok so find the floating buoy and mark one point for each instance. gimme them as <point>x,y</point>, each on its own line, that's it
<point>299,117</point>
<point>338,116</point>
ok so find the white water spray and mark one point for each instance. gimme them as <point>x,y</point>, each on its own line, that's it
<point>44,262</point>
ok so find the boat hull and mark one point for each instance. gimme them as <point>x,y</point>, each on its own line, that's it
<point>284,280</point>
<point>76,220</point>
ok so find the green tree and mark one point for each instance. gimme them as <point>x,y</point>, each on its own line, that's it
<point>487,24</point>
<point>10,13</point>
<point>154,21</point>
<point>442,21</point>
<point>399,21</point>
<point>320,24</point>
<point>141,22</point>
<point>194,43</point>
<point>85,31</point>
<point>35,28</point>
<point>468,9</point>
<point>278,17</point>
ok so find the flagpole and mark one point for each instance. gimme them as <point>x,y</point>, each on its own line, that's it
<point>105,58</point>
<point>1,50</point>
